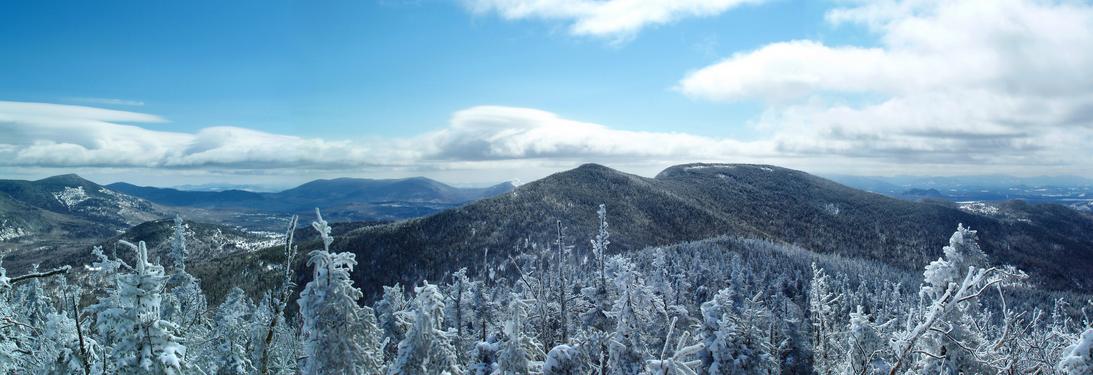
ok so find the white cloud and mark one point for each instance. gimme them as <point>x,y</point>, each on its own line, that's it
<point>1002,82</point>
<point>60,136</point>
<point>52,135</point>
<point>610,18</point>
<point>498,133</point>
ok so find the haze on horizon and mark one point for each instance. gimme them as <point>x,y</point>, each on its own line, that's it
<point>475,92</point>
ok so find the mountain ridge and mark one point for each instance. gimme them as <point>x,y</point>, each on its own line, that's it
<point>692,202</point>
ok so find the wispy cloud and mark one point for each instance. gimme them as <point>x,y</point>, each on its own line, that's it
<point>616,19</point>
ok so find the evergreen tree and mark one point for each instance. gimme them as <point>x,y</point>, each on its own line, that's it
<point>338,336</point>
<point>634,311</point>
<point>128,319</point>
<point>484,357</point>
<point>393,319</point>
<point>232,335</point>
<point>864,346</point>
<point>823,314</point>
<point>933,341</point>
<point>185,303</point>
<point>517,349</point>
<point>427,349</point>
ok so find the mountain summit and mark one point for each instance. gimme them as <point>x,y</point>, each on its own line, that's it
<point>697,201</point>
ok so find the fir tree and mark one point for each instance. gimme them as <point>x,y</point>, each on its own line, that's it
<point>427,349</point>
<point>338,336</point>
<point>128,318</point>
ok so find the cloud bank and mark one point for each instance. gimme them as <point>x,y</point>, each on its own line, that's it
<point>64,136</point>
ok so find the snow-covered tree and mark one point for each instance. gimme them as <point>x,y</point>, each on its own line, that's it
<point>392,318</point>
<point>634,311</point>
<point>427,348</point>
<point>128,320</point>
<point>741,344</point>
<point>864,346</point>
<point>517,348</point>
<point>66,353</point>
<point>273,339</point>
<point>232,335</point>
<point>564,360</point>
<point>338,336</point>
<point>1078,358</point>
<point>14,332</point>
<point>274,345</point>
<point>679,360</point>
<point>459,311</point>
<point>484,308</point>
<point>484,357</point>
<point>185,303</point>
<point>934,340</point>
<point>823,315</point>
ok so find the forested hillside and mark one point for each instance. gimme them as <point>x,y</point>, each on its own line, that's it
<point>698,201</point>
<point>727,305</point>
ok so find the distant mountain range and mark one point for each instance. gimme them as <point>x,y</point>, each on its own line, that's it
<point>344,199</point>
<point>1073,191</point>
<point>697,201</point>
<point>54,214</point>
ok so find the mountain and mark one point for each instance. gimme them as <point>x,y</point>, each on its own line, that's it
<point>1065,190</point>
<point>175,197</point>
<point>65,211</point>
<point>343,199</point>
<point>70,194</point>
<point>697,201</point>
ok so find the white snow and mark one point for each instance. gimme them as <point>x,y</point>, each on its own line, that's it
<point>977,207</point>
<point>71,196</point>
<point>709,166</point>
<point>9,231</point>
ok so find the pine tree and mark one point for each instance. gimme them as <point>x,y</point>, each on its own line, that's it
<point>634,312</point>
<point>427,349</point>
<point>864,346</point>
<point>953,283</point>
<point>232,335</point>
<point>188,304</point>
<point>64,351</point>
<point>823,312</point>
<point>517,349</point>
<point>14,332</point>
<point>392,318</point>
<point>741,345</point>
<point>484,357</point>
<point>338,336</point>
<point>128,318</point>
<point>459,310</point>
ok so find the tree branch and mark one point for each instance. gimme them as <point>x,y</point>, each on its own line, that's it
<point>38,275</point>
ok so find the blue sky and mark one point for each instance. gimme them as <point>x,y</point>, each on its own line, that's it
<point>391,72</point>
